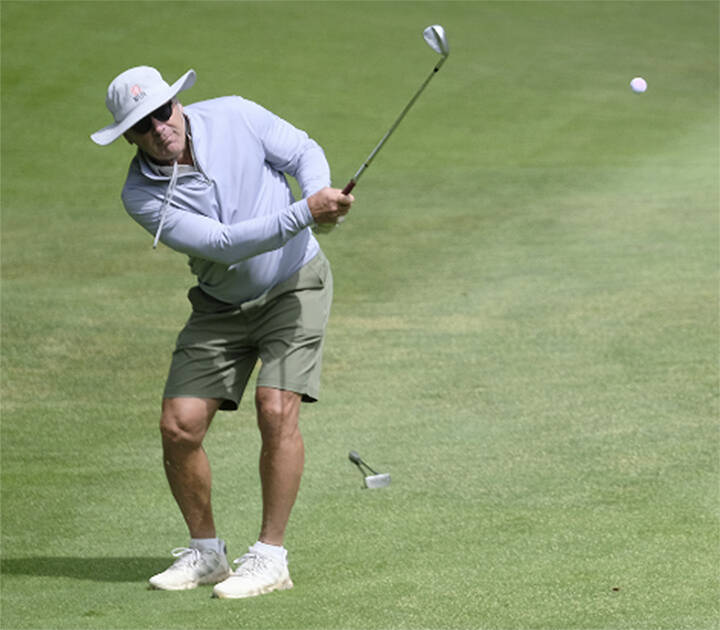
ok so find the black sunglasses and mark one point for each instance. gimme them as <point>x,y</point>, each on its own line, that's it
<point>162,114</point>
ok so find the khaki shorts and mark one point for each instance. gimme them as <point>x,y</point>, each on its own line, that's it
<point>221,343</point>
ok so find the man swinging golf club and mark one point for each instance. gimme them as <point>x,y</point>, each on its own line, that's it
<point>208,180</point>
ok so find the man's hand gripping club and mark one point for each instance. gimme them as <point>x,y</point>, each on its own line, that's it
<point>329,205</point>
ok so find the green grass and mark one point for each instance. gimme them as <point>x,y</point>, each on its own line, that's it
<point>524,333</point>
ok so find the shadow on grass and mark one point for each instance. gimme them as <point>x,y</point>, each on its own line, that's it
<point>93,569</point>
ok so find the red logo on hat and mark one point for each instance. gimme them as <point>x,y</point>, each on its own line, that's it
<point>136,92</point>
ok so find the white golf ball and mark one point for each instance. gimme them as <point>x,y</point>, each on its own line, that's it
<point>638,85</point>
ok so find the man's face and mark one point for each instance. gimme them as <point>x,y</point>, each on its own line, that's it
<point>165,141</point>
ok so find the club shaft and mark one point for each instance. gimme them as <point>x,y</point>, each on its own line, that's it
<point>370,469</point>
<point>354,180</point>
<point>363,467</point>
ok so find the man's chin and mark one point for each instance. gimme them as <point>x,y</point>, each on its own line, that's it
<point>166,156</point>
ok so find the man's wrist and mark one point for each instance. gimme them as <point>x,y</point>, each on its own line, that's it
<point>302,212</point>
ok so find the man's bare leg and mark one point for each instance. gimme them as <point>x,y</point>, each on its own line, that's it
<point>282,458</point>
<point>183,426</point>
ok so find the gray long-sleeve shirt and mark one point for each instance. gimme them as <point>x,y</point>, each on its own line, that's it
<point>234,214</point>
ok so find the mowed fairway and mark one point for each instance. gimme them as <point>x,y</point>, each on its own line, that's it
<point>524,333</point>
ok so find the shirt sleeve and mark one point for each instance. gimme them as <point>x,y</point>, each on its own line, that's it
<point>203,237</point>
<point>289,149</point>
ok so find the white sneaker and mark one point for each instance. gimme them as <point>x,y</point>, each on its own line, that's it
<point>256,574</point>
<point>192,568</point>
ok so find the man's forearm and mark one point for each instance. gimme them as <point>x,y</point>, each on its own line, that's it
<point>202,237</point>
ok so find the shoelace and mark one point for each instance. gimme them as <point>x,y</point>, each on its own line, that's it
<point>185,556</point>
<point>251,564</point>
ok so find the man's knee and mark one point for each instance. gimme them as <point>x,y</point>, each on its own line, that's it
<point>185,421</point>
<point>278,412</point>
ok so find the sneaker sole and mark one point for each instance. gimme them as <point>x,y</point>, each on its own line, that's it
<point>186,586</point>
<point>175,587</point>
<point>285,585</point>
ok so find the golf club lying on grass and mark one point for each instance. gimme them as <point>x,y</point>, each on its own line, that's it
<point>437,40</point>
<point>376,480</point>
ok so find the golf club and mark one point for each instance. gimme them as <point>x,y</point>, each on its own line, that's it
<point>437,40</point>
<point>376,480</point>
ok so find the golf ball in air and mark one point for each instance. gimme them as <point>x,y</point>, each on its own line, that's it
<point>638,85</point>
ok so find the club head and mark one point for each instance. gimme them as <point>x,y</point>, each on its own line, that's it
<point>377,481</point>
<point>437,40</point>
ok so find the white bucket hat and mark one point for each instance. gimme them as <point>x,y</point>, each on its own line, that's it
<point>134,94</point>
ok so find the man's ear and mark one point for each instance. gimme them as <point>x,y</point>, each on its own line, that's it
<point>127,137</point>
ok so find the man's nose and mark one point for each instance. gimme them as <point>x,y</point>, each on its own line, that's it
<point>157,125</point>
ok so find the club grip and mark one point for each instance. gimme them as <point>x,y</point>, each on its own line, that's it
<point>349,187</point>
